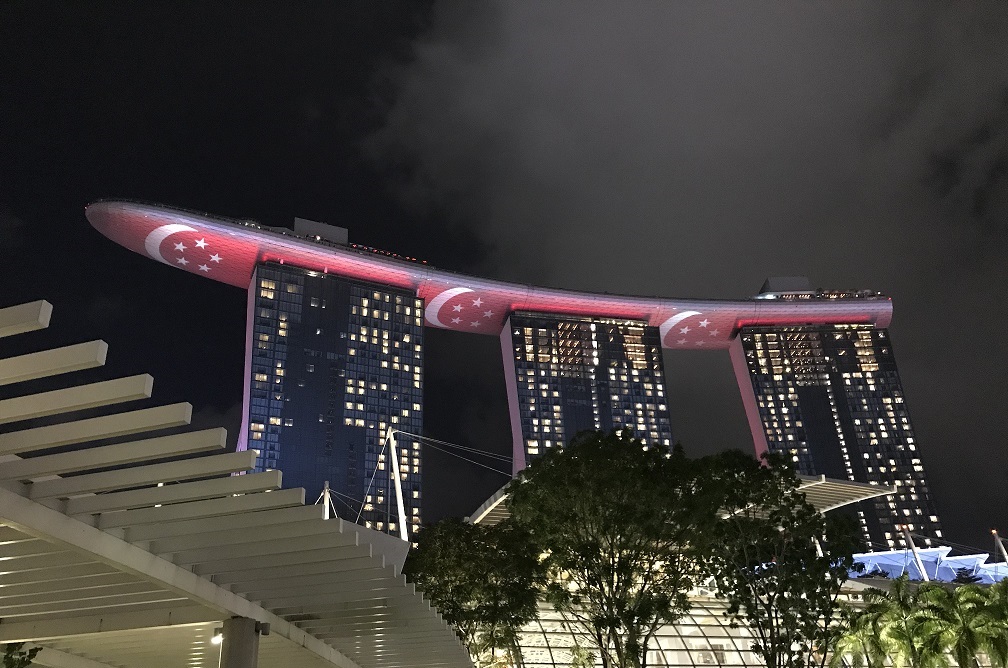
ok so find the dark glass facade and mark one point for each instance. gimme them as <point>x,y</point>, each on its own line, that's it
<point>830,398</point>
<point>334,363</point>
<point>569,374</point>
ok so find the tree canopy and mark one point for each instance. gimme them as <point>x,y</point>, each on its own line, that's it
<point>483,580</point>
<point>777,561</point>
<point>616,523</point>
<point>919,625</point>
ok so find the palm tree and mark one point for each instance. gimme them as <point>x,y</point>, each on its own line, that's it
<point>997,608</point>
<point>861,634</point>
<point>960,620</point>
<point>903,628</point>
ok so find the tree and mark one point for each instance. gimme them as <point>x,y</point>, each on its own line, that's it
<point>483,580</point>
<point>616,523</point>
<point>16,657</point>
<point>997,608</point>
<point>776,560</point>
<point>877,573</point>
<point>905,627</point>
<point>860,634</point>
<point>958,620</point>
<point>966,576</point>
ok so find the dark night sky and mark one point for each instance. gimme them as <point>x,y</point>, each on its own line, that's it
<point>676,149</point>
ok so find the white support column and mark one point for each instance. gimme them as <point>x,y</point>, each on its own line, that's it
<point>240,646</point>
<point>999,543</point>
<point>398,485</point>
<point>326,502</point>
<point>916,554</point>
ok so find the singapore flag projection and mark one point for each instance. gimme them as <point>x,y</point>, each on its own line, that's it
<point>465,309</point>
<point>198,254</point>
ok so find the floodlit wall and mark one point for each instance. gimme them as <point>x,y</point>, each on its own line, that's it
<point>702,638</point>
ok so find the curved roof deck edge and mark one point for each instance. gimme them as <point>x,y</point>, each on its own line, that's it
<point>228,251</point>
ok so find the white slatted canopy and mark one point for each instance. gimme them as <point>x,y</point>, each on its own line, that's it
<point>131,552</point>
<point>825,494</point>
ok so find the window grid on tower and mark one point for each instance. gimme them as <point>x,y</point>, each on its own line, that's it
<point>573,374</point>
<point>335,364</point>
<point>830,398</point>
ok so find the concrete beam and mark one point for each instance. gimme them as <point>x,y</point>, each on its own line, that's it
<point>130,586</point>
<point>335,557</point>
<point>177,493</point>
<point>56,609</point>
<point>308,523</point>
<point>31,547</point>
<point>326,603</point>
<point>287,550</point>
<point>227,509</point>
<point>25,318</point>
<point>54,658</point>
<point>78,398</point>
<point>363,589</point>
<point>41,561</point>
<point>72,625</point>
<point>250,577</point>
<point>213,525</point>
<point>67,584</point>
<point>52,362</point>
<point>186,469</point>
<point>105,426</point>
<point>115,455</point>
<point>203,528</point>
<point>319,582</point>
<point>53,574</point>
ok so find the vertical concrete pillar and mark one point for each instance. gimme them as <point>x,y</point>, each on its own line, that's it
<point>240,648</point>
<point>749,401</point>
<point>511,385</point>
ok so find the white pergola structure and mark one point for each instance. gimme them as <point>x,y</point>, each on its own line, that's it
<point>119,549</point>
<point>825,494</point>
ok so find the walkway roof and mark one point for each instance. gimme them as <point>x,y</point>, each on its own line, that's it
<point>130,553</point>
<point>824,493</point>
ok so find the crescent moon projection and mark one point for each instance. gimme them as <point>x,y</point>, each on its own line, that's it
<point>153,241</point>
<point>664,328</point>
<point>435,305</point>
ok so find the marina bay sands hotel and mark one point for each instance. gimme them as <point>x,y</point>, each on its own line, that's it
<point>334,360</point>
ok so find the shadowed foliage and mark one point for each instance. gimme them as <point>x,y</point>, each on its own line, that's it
<point>617,524</point>
<point>483,580</point>
<point>777,562</point>
<point>16,657</point>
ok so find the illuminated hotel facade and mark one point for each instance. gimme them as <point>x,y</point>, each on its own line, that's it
<point>571,374</point>
<point>332,364</point>
<point>853,420</point>
<point>829,397</point>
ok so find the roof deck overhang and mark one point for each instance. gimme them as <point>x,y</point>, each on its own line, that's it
<point>229,250</point>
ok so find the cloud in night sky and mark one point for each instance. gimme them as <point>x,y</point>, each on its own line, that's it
<point>11,229</point>
<point>692,149</point>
